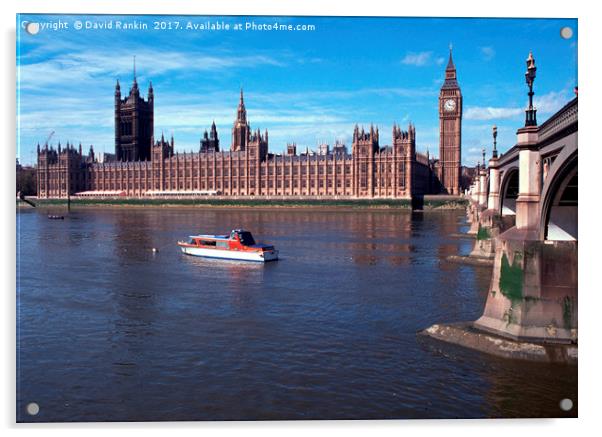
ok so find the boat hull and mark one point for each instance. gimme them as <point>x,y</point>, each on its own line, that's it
<point>255,256</point>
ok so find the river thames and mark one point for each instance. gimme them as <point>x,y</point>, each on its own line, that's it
<point>109,330</point>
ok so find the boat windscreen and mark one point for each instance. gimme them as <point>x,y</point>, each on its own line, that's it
<point>246,238</point>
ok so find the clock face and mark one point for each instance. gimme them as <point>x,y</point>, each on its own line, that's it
<point>449,105</point>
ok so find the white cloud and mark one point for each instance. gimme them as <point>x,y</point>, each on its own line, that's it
<point>417,59</point>
<point>488,53</point>
<point>551,102</point>
<point>421,59</point>
<point>545,104</point>
<point>199,115</point>
<point>87,67</point>
<point>491,113</point>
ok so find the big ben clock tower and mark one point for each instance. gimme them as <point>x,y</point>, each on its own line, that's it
<point>450,130</point>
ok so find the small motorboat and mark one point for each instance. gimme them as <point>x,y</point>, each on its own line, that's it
<point>239,245</point>
<point>56,217</point>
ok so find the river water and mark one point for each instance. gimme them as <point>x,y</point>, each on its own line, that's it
<point>109,330</point>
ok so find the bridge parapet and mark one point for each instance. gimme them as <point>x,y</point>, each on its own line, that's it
<point>565,118</point>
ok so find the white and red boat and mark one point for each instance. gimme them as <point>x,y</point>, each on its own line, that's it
<point>239,245</point>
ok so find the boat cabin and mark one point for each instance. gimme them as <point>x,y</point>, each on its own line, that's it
<point>237,240</point>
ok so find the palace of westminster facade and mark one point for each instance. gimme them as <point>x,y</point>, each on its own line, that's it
<point>143,167</point>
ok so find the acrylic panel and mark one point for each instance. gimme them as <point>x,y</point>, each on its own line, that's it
<point>281,218</point>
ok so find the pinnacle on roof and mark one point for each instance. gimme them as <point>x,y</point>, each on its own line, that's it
<point>450,62</point>
<point>134,68</point>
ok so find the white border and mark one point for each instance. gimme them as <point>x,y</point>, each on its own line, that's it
<point>590,76</point>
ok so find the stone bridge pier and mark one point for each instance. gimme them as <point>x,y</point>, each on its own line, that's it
<point>490,223</point>
<point>477,200</point>
<point>533,291</point>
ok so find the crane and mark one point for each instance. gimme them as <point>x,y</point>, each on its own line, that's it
<point>49,137</point>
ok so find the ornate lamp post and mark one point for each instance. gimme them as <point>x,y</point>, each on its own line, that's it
<point>483,183</point>
<point>530,119</point>
<point>529,159</point>
<point>493,199</point>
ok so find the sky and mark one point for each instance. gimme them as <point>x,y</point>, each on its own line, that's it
<point>305,86</point>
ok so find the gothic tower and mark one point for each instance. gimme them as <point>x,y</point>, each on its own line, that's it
<point>404,152</point>
<point>134,123</point>
<point>364,147</point>
<point>450,131</point>
<point>241,129</point>
<point>210,141</point>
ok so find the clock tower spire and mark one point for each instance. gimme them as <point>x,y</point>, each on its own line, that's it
<point>450,130</point>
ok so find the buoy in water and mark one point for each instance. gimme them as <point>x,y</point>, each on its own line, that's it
<point>155,250</point>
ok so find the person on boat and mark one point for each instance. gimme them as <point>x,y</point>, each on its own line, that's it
<point>245,237</point>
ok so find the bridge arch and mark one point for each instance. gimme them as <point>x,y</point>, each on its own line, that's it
<point>560,199</point>
<point>509,191</point>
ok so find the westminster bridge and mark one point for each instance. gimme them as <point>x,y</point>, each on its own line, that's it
<point>523,213</point>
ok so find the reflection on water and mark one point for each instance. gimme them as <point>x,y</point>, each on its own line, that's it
<point>109,330</point>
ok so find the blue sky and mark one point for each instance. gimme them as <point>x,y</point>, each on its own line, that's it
<point>306,87</point>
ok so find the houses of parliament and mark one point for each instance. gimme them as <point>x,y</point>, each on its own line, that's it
<point>144,166</point>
